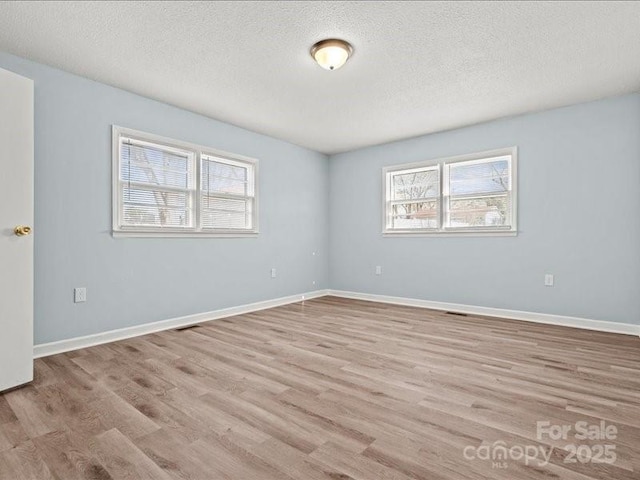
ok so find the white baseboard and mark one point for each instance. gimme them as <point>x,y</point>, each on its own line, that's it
<point>46,349</point>
<point>575,322</point>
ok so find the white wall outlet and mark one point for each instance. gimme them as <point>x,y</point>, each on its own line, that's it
<point>273,273</point>
<point>548,280</point>
<point>378,270</point>
<point>79,295</point>
<point>313,253</point>
<point>313,283</point>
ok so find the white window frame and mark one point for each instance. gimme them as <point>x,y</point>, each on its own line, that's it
<point>443,230</point>
<point>119,229</point>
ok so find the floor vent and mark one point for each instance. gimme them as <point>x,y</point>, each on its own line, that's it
<point>190,327</point>
<point>457,313</point>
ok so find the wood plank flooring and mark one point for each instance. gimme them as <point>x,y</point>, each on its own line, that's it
<point>328,389</point>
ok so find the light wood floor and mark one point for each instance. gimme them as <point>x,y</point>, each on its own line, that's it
<point>329,389</point>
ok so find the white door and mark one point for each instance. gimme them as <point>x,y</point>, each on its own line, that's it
<point>16,220</point>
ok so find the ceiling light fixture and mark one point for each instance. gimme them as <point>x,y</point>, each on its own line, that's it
<point>332,53</point>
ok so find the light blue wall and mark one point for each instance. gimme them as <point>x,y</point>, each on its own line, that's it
<point>579,218</point>
<point>132,281</point>
<point>576,164</point>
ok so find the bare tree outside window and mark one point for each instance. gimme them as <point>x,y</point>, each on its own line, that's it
<point>415,199</point>
<point>452,195</point>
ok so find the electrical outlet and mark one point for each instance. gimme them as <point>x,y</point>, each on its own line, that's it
<point>79,295</point>
<point>378,270</point>
<point>548,280</point>
<point>313,283</point>
<point>273,273</point>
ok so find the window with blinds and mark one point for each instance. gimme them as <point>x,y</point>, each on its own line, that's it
<point>226,194</point>
<point>156,185</point>
<point>414,201</point>
<point>473,194</point>
<point>166,187</point>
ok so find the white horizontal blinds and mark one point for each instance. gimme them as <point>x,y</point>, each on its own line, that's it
<point>478,193</point>
<point>414,199</point>
<point>227,194</point>
<point>157,185</point>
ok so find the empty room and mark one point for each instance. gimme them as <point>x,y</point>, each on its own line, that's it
<point>323,240</point>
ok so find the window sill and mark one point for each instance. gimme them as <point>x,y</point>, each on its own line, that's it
<point>459,233</point>
<point>174,234</point>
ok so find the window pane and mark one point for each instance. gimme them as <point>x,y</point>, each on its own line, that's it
<point>491,176</point>
<point>226,213</point>
<point>155,198</point>
<point>156,216</point>
<point>415,215</point>
<point>220,177</point>
<point>156,184</point>
<point>224,220</point>
<point>147,164</point>
<point>415,185</point>
<point>479,212</point>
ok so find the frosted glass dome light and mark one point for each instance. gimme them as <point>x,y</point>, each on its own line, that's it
<point>331,54</point>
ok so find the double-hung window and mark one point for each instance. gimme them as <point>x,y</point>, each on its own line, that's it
<point>227,194</point>
<point>472,194</point>
<point>414,198</point>
<point>164,187</point>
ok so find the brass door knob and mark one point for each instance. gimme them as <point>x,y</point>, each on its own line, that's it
<point>22,230</point>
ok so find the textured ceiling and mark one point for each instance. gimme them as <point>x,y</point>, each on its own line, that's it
<point>418,67</point>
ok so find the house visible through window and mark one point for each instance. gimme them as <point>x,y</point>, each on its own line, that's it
<point>162,186</point>
<point>470,194</point>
